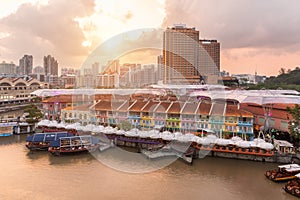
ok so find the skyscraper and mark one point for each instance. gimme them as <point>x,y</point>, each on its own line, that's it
<point>180,54</point>
<point>186,59</point>
<point>209,56</point>
<point>50,65</point>
<point>25,65</point>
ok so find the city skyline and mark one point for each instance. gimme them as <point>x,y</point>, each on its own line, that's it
<point>261,41</point>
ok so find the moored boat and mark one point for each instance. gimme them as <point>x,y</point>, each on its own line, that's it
<point>74,144</point>
<point>7,129</point>
<point>283,173</point>
<point>293,186</point>
<point>41,141</point>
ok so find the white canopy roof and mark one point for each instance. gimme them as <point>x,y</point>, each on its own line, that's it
<point>253,96</point>
<point>90,91</point>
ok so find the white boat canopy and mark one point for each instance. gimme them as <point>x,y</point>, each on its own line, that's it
<point>289,166</point>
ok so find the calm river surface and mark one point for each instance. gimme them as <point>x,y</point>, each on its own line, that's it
<point>39,175</point>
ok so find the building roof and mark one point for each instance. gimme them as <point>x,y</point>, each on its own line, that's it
<point>150,106</point>
<point>162,107</point>
<point>175,107</point>
<point>204,108</point>
<point>85,107</point>
<point>217,108</point>
<point>59,99</point>
<point>190,108</point>
<point>137,107</point>
<point>103,105</point>
<point>125,106</point>
<point>259,111</point>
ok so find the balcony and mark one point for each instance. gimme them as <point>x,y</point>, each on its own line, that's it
<point>245,123</point>
<point>133,117</point>
<point>216,122</point>
<point>173,119</point>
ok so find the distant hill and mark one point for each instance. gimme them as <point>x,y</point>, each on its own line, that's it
<point>289,80</point>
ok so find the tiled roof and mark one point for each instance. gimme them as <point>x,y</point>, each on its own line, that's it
<point>103,105</point>
<point>190,108</point>
<point>232,110</point>
<point>137,107</point>
<point>125,107</point>
<point>150,106</point>
<point>217,109</point>
<point>175,108</point>
<point>80,108</point>
<point>116,104</point>
<point>59,99</point>
<point>163,107</point>
<point>204,108</point>
<point>275,113</point>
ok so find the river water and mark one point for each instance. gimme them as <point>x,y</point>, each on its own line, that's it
<point>39,175</point>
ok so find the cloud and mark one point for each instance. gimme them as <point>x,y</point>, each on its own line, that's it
<point>46,29</point>
<point>240,24</point>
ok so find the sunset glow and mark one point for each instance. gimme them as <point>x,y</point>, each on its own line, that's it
<point>261,47</point>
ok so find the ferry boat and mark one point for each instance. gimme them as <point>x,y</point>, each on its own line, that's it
<point>74,144</point>
<point>293,186</point>
<point>283,173</point>
<point>7,129</point>
<point>41,141</point>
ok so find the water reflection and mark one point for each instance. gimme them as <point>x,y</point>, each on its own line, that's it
<point>78,159</point>
<point>12,139</point>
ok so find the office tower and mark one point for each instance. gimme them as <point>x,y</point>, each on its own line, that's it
<point>180,55</point>
<point>186,59</point>
<point>209,56</point>
<point>25,65</point>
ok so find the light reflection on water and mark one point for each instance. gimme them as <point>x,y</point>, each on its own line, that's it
<point>39,175</point>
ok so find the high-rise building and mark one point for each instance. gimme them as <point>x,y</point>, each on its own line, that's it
<point>50,66</point>
<point>160,68</point>
<point>209,56</point>
<point>186,59</point>
<point>180,54</point>
<point>25,65</point>
<point>7,68</point>
<point>38,70</point>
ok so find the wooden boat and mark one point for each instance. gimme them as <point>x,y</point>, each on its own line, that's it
<point>74,144</point>
<point>41,141</point>
<point>293,186</point>
<point>283,173</point>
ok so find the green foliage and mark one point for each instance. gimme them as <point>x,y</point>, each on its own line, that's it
<point>274,87</point>
<point>125,125</point>
<point>295,112</point>
<point>287,80</point>
<point>294,123</point>
<point>33,112</point>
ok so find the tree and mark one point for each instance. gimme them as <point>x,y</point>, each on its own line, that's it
<point>125,125</point>
<point>294,123</point>
<point>295,112</point>
<point>282,71</point>
<point>33,113</point>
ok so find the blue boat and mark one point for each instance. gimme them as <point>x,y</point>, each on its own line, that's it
<point>41,141</point>
<point>7,129</point>
<point>74,144</point>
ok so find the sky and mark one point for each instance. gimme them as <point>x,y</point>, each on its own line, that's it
<point>255,35</point>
